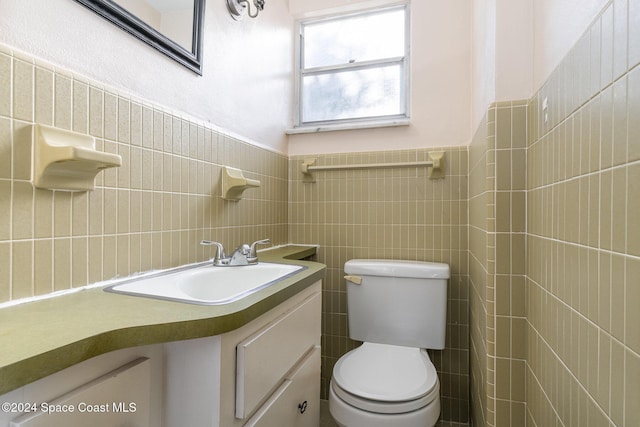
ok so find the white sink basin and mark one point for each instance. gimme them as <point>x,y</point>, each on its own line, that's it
<point>207,285</point>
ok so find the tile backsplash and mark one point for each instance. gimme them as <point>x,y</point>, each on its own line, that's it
<point>150,213</point>
<point>554,277</point>
<point>583,231</point>
<point>497,247</point>
<point>480,191</point>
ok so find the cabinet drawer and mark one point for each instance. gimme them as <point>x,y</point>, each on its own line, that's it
<point>263,359</point>
<point>297,400</point>
<point>102,402</point>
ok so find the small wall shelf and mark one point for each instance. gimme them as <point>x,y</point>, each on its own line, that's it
<point>65,160</point>
<point>234,183</point>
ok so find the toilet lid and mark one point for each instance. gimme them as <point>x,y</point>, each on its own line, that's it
<point>386,373</point>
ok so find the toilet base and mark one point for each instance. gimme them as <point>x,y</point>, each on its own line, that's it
<point>346,415</point>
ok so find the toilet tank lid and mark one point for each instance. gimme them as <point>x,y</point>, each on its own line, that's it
<point>397,268</point>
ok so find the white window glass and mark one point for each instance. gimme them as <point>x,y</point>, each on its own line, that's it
<point>370,92</point>
<point>353,67</point>
<point>354,39</point>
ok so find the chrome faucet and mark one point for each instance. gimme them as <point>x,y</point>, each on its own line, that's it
<point>220,255</point>
<point>243,255</point>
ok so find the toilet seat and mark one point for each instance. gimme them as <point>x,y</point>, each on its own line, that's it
<point>385,378</point>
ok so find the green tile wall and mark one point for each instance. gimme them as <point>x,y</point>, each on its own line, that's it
<point>394,214</point>
<point>150,213</point>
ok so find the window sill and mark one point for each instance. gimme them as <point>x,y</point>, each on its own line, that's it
<point>347,126</point>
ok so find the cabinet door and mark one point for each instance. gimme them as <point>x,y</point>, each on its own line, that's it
<point>118,398</point>
<point>264,359</point>
<point>297,400</point>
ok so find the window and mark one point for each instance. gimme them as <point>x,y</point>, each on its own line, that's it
<point>354,68</point>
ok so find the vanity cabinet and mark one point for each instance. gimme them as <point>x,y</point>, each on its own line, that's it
<point>296,401</point>
<point>123,387</point>
<point>270,370</point>
<point>265,373</point>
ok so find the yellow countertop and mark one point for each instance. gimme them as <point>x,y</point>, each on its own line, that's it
<point>42,337</point>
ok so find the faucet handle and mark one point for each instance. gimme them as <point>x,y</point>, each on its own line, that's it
<point>220,253</point>
<point>253,252</point>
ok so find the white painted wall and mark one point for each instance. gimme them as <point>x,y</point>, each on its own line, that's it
<point>440,80</point>
<point>518,43</point>
<point>483,72</point>
<point>502,53</point>
<point>557,26</point>
<point>512,47</point>
<point>465,55</point>
<point>514,50</point>
<point>246,87</point>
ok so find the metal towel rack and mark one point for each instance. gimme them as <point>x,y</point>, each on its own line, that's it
<point>435,162</point>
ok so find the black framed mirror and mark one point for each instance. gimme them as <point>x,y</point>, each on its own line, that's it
<point>174,27</point>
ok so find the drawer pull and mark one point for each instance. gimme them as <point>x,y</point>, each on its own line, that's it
<point>302,407</point>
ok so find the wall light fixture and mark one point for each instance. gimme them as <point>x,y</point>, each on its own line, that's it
<point>237,8</point>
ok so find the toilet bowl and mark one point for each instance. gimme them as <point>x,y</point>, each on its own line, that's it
<point>397,309</point>
<point>379,385</point>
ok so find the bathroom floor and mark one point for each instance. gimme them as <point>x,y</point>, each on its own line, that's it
<point>325,416</point>
<point>327,421</point>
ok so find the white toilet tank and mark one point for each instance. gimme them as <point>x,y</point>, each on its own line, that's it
<point>397,302</point>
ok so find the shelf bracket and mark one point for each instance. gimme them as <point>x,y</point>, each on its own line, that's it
<point>234,183</point>
<point>68,161</point>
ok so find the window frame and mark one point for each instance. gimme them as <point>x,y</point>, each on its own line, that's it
<point>352,123</point>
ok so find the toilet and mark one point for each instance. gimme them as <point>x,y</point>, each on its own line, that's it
<point>398,310</point>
